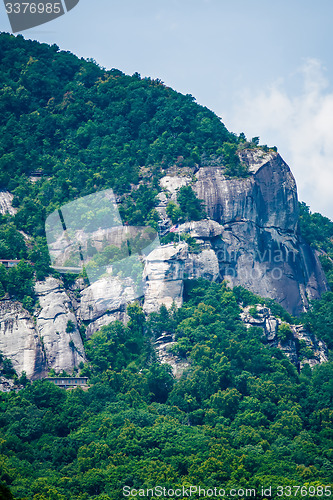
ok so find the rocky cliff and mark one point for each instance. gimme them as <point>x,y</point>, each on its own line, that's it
<point>299,345</point>
<point>250,238</point>
<point>252,230</point>
<point>6,206</point>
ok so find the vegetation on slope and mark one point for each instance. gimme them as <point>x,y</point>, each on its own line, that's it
<point>240,417</point>
<point>241,411</point>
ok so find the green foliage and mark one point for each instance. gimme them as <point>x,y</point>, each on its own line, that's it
<point>189,206</point>
<point>6,367</point>
<point>12,245</point>
<point>233,166</point>
<point>193,245</point>
<point>174,212</point>
<point>246,298</point>
<point>39,256</point>
<point>253,312</point>
<point>88,129</point>
<point>327,265</point>
<point>70,326</point>
<point>238,412</point>
<point>5,493</point>
<point>18,281</point>
<point>243,143</point>
<point>316,229</point>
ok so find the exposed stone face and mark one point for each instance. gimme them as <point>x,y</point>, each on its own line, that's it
<point>252,229</point>
<point>7,385</point>
<point>19,340</point>
<point>291,348</point>
<point>6,199</point>
<point>105,296</point>
<point>250,239</point>
<point>164,272</point>
<point>63,350</point>
<point>104,302</point>
<point>163,347</point>
<point>37,344</point>
<point>104,320</point>
<point>173,183</point>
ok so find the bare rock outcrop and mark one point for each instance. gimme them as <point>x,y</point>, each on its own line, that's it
<point>19,340</point>
<point>104,302</point>
<point>163,346</point>
<point>48,340</point>
<point>57,327</point>
<point>299,345</point>
<point>164,273</point>
<point>6,199</point>
<point>250,238</point>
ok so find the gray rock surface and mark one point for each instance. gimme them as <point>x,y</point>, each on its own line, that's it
<point>164,274</point>
<point>7,385</point>
<point>37,344</point>
<point>63,350</point>
<point>259,247</point>
<point>163,346</point>
<point>105,296</point>
<point>293,348</point>
<point>103,302</point>
<point>105,320</point>
<point>250,238</point>
<point>6,199</point>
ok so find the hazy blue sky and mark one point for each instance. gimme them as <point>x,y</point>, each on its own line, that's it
<point>264,66</point>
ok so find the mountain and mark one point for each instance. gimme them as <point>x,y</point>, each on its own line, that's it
<point>196,382</point>
<point>87,129</point>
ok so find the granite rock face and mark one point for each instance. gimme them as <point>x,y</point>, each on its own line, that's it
<point>19,340</point>
<point>253,231</point>
<point>163,347</point>
<point>250,238</point>
<point>6,199</point>
<point>62,345</point>
<point>38,344</point>
<point>104,302</point>
<point>164,274</point>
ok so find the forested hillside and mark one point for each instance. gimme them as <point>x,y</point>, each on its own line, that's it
<point>81,129</point>
<point>241,416</point>
<point>87,128</point>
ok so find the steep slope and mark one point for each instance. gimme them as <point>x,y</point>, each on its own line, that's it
<point>251,237</point>
<point>82,129</point>
<point>37,344</point>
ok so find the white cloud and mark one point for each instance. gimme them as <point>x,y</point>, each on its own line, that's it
<point>300,124</point>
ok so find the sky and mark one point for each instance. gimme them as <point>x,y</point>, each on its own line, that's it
<point>265,67</point>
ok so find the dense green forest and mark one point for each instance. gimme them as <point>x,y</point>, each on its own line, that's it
<point>87,128</point>
<point>241,416</point>
<point>82,129</point>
